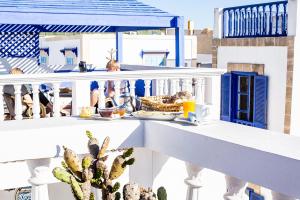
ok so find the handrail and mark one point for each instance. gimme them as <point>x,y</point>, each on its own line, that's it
<point>257,20</point>
<point>128,75</point>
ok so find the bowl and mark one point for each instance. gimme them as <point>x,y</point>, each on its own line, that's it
<point>106,112</point>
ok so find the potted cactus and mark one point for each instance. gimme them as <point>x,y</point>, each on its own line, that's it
<point>92,171</point>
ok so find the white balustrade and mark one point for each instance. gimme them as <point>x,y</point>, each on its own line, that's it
<point>168,82</point>
<point>39,183</point>
<point>161,87</point>
<point>166,87</point>
<point>101,98</point>
<point>132,90</point>
<point>18,102</point>
<point>173,88</point>
<point>36,101</point>
<point>117,91</point>
<point>147,88</point>
<point>1,104</point>
<point>200,91</point>
<point>56,103</point>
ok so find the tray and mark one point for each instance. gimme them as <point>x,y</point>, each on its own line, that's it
<point>154,115</point>
<point>98,117</point>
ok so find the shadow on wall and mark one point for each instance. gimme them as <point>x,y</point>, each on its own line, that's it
<point>30,66</point>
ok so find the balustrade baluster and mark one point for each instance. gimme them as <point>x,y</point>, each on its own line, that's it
<point>234,23</point>
<point>117,91</point>
<point>1,104</point>
<point>101,97</point>
<point>264,20</point>
<point>230,23</point>
<point>56,103</point>
<point>277,19</point>
<point>147,88</point>
<point>249,24</point>
<point>256,21</point>
<point>270,22</point>
<point>36,101</point>
<point>18,102</point>
<point>132,90</point>
<point>173,86</point>
<point>284,22</point>
<point>200,91</point>
<point>160,87</point>
<point>223,21</point>
<point>166,87</point>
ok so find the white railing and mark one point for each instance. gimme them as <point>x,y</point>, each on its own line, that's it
<point>167,82</point>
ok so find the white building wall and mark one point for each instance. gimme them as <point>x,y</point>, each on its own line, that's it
<point>55,45</point>
<point>275,61</point>
<point>93,48</point>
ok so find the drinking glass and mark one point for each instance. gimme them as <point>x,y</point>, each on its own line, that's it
<point>188,106</point>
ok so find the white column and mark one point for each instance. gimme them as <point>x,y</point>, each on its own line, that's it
<point>101,98</point>
<point>173,88</point>
<point>81,96</point>
<point>235,189</point>
<point>185,84</point>
<point>117,91</point>
<point>216,97</point>
<point>166,87</point>
<point>292,19</point>
<point>36,101</point>
<point>132,90</point>
<point>147,88</point>
<point>194,181</point>
<point>1,104</point>
<point>56,103</point>
<point>18,102</point>
<point>200,91</point>
<point>161,87</point>
<point>218,23</point>
<point>39,183</point>
<point>97,193</point>
<point>295,114</point>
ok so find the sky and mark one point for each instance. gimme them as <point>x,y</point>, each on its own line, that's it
<point>200,11</point>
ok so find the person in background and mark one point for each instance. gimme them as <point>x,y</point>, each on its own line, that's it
<point>111,66</point>
<point>26,93</point>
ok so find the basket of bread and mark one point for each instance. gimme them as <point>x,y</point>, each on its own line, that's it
<point>165,103</point>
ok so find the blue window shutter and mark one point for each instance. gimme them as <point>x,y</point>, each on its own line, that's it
<point>226,97</point>
<point>253,195</point>
<point>260,101</point>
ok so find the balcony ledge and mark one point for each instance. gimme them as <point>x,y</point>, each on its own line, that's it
<point>260,156</point>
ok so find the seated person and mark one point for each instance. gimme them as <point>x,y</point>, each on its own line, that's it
<point>9,93</point>
<point>111,66</point>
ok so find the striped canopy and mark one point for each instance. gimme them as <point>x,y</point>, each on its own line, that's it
<point>81,16</point>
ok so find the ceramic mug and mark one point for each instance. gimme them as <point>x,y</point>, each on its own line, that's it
<point>202,111</point>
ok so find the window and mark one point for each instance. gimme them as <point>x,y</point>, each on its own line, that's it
<point>43,60</point>
<point>155,58</point>
<point>244,98</point>
<point>69,61</point>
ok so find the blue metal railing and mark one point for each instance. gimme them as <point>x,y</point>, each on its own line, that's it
<point>259,20</point>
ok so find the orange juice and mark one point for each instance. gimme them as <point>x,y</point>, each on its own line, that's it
<point>188,106</point>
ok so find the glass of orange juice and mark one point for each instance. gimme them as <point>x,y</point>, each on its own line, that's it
<point>188,106</point>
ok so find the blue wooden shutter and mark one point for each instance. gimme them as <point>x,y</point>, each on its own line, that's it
<point>253,195</point>
<point>260,101</point>
<point>226,97</point>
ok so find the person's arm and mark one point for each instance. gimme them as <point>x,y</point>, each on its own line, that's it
<point>110,89</point>
<point>27,99</point>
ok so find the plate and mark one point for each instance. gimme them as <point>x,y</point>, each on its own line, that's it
<point>98,117</point>
<point>186,121</point>
<point>154,115</point>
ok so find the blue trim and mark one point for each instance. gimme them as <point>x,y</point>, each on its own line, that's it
<point>253,20</point>
<point>179,35</point>
<point>74,50</point>
<point>253,195</point>
<point>119,46</point>
<point>143,52</point>
<point>46,50</point>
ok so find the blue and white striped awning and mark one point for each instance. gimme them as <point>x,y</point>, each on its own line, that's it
<point>81,16</point>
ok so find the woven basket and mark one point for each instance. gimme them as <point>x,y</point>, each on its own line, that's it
<point>160,103</point>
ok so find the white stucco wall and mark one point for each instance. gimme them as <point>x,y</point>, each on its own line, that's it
<point>93,48</point>
<point>55,45</point>
<point>275,61</point>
